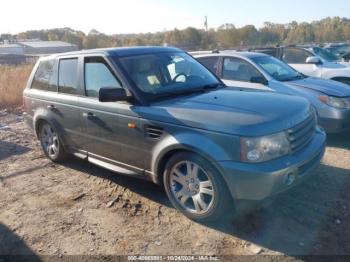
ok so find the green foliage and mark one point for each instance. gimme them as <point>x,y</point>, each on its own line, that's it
<point>226,36</point>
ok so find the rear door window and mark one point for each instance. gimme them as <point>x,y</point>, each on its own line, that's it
<point>211,63</point>
<point>68,76</point>
<point>43,78</point>
<point>98,74</point>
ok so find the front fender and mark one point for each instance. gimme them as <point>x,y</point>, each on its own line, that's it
<point>213,147</point>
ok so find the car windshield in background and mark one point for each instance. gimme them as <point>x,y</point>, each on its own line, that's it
<point>277,69</point>
<point>325,54</point>
<point>339,50</point>
<point>163,74</point>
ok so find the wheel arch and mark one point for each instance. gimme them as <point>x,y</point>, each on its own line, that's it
<point>40,117</point>
<point>162,159</point>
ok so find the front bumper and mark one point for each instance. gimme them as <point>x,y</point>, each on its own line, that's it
<point>334,120</point>
<point>247,181</point>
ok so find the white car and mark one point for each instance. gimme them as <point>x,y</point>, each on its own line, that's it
<point>311,61</point>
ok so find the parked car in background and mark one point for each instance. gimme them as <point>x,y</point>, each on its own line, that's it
<point>259,71</point>
<point>156,113</point>
<point>311,61</point>
<point>338,49</point>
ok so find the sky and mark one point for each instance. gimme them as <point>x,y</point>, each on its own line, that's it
<point>132,16</point>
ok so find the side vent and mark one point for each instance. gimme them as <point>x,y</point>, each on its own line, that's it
<point>153,132</point>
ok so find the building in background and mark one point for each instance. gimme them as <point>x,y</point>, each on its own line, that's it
<point>19,52</point>
<point>13,49</point>
<point>46,47</point>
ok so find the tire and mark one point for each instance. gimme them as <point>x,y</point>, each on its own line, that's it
<point>51,143</point>
<point>201,194</point>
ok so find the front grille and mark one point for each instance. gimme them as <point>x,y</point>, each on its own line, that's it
<point>301,134</point>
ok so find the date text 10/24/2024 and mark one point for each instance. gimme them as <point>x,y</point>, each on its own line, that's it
<point>173,258</point>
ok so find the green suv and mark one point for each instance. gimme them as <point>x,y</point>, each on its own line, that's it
<point>158,114</point>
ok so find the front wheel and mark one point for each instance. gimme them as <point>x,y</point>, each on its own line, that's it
<point>196,188</point>
<point>51,143</point>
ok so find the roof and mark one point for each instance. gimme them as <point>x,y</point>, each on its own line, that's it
<point>125,51</point>
<point>39,44</point>
<point>233,53</point>
<point>245,54</point>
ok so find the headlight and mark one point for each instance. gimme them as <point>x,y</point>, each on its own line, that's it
<point>333,101</point>
<point>261,149</point>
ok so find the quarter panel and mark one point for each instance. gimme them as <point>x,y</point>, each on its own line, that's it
<point>64,115</point>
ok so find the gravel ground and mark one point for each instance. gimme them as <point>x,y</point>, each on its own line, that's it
<point>77,208</point>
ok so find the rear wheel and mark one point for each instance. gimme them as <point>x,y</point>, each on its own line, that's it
<point>196,188</point>
<point>51,143</point>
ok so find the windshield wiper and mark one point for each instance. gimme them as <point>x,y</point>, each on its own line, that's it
<point>213,86</point>
<point>297,77</point>
<point>200,89</point>
<point>180,93</point>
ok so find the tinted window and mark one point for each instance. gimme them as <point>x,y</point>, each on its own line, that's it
<point>43,78</point>
<point>67,76</point>
<point>210,62</point>
<point>295,56</point>
<point>97,75</point>
<point>238,70</point>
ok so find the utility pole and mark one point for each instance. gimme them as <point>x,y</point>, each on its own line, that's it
<point>206,31</point>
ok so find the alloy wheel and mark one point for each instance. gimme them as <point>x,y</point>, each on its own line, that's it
<point>192,187</point>
<point>49,141</point>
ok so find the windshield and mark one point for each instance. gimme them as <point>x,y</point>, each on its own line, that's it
<point>339,50</point>
<point>277,69</point>
<point>171,73</point>
<point>325,54</point>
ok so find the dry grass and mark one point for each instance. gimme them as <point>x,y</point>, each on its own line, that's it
<point>13,80</point>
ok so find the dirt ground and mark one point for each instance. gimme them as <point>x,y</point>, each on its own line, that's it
<point>78,208</point>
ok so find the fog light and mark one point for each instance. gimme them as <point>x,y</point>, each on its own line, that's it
<point>290,178</point>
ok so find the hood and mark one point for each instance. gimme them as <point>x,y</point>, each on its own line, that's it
<point>232,112</point>
<point>334,65</point>
<point>328,87</point>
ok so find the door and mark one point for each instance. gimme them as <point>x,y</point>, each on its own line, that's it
<point>237,72</point>
<point>296,58</point>
<point>112,129</point>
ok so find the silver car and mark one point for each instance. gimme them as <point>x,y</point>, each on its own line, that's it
<point>258,71</point>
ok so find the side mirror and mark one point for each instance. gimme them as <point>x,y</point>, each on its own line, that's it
<point>258,80</point>
<point>111,94</point>
<point>313,60</point>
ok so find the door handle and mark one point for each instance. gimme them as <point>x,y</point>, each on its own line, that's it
<point>88,115</point>
<point>51,107</point>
